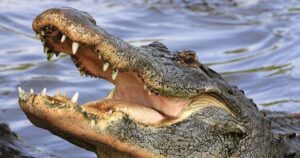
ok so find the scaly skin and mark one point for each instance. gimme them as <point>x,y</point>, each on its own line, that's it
<point>217,120</point>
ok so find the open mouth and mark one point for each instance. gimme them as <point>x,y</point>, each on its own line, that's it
<point>130,94</point>
<point>152,84</point>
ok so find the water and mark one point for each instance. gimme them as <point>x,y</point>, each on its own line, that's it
<point>256,48</point>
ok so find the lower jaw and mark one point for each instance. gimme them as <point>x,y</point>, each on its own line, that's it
<point>108,109</point>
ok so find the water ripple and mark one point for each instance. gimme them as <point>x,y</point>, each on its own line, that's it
<point>253,46</point>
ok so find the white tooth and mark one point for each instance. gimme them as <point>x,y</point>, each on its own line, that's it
<point>42,33</point>
<point>149,92</point>
<point>31,91</point>
<point>21,91</point>
<point>105,66</point>
<point>63,38</point>
<point>46,49</point>
<point>114,74</point>
<point>82,73</point>
<point>38,36</point>
<point>110,111</point>
<point>145,87</point>
<point>44,92</point>
<point>75,46</point>
<point>100,56</point>
<point>75,98</point>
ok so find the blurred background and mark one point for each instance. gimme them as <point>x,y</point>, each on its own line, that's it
<point>254,45</point>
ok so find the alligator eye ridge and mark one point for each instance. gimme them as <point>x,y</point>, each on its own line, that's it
<point>187,58</point>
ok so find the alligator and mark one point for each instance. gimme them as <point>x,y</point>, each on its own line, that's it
<point>164,104</point>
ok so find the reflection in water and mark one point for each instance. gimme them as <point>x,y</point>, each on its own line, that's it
<point>253,46</point>
<point>274,69</point>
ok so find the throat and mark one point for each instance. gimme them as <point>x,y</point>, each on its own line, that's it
<point>131,91</point>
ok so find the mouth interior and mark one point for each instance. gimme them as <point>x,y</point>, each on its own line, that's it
<point>130,95</point>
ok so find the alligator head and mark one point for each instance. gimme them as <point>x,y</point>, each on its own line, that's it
<point>165,104</point>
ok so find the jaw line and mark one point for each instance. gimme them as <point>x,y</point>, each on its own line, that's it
<point>90,128</point>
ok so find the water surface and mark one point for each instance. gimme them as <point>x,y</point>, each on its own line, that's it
<point>256,47</point>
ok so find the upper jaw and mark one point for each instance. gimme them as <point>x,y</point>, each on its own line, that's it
<point>94,52</point>
<point>156,68</point>
<point>80,29</point>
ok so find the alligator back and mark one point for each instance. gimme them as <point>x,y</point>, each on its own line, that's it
<point>287,128</point>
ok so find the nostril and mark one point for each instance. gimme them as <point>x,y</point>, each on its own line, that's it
<point>49,31</point>
<point>189,59</point>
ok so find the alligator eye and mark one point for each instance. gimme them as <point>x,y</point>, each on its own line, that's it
<point>187,58</point>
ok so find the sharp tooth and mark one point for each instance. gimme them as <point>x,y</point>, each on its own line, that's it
<point>46,49</point>
<point>63,38</point>
<point>100,56</point>
<point>44,92</point>
<point>75,98</point>
<point>105,66</point>
<point>75,46</point>
<point>38,36</point>
<point>82,73</point>
<point>21,91</point>
<point>49,56</point>
<point>114,74</point>
<point>31,91</point>
<point>110,111</point>
<point>145,87</point>
<point>149,92</point>
<point>42,33</point>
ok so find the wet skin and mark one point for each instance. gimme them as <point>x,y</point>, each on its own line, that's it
<point>165,104</point>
